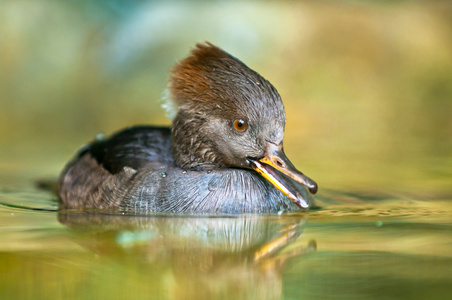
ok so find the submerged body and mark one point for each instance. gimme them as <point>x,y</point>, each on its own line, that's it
<point>223,154</point>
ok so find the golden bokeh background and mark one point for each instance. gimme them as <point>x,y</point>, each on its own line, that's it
<point>367,85</point>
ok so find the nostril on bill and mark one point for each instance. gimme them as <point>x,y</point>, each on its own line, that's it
<point>279,163</point>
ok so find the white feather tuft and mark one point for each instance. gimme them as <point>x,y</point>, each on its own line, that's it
<point>168,105</point>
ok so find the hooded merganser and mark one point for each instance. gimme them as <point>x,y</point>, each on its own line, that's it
<point>222,155</point>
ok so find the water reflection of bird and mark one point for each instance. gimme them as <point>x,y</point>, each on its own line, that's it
<point>195,258</point>
<point>223,154</point>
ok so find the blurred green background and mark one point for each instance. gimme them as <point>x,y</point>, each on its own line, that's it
<point>367,85</point>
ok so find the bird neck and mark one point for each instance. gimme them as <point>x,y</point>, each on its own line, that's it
<point>191,147</point>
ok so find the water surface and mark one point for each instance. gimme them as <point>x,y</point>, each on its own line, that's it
<point>381,249</point>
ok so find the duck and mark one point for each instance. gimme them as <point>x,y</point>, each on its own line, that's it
<point>223,153</point>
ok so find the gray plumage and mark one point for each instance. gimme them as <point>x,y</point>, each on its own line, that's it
<point>202,164</point>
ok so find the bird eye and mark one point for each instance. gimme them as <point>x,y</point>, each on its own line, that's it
<point>239,125</point>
